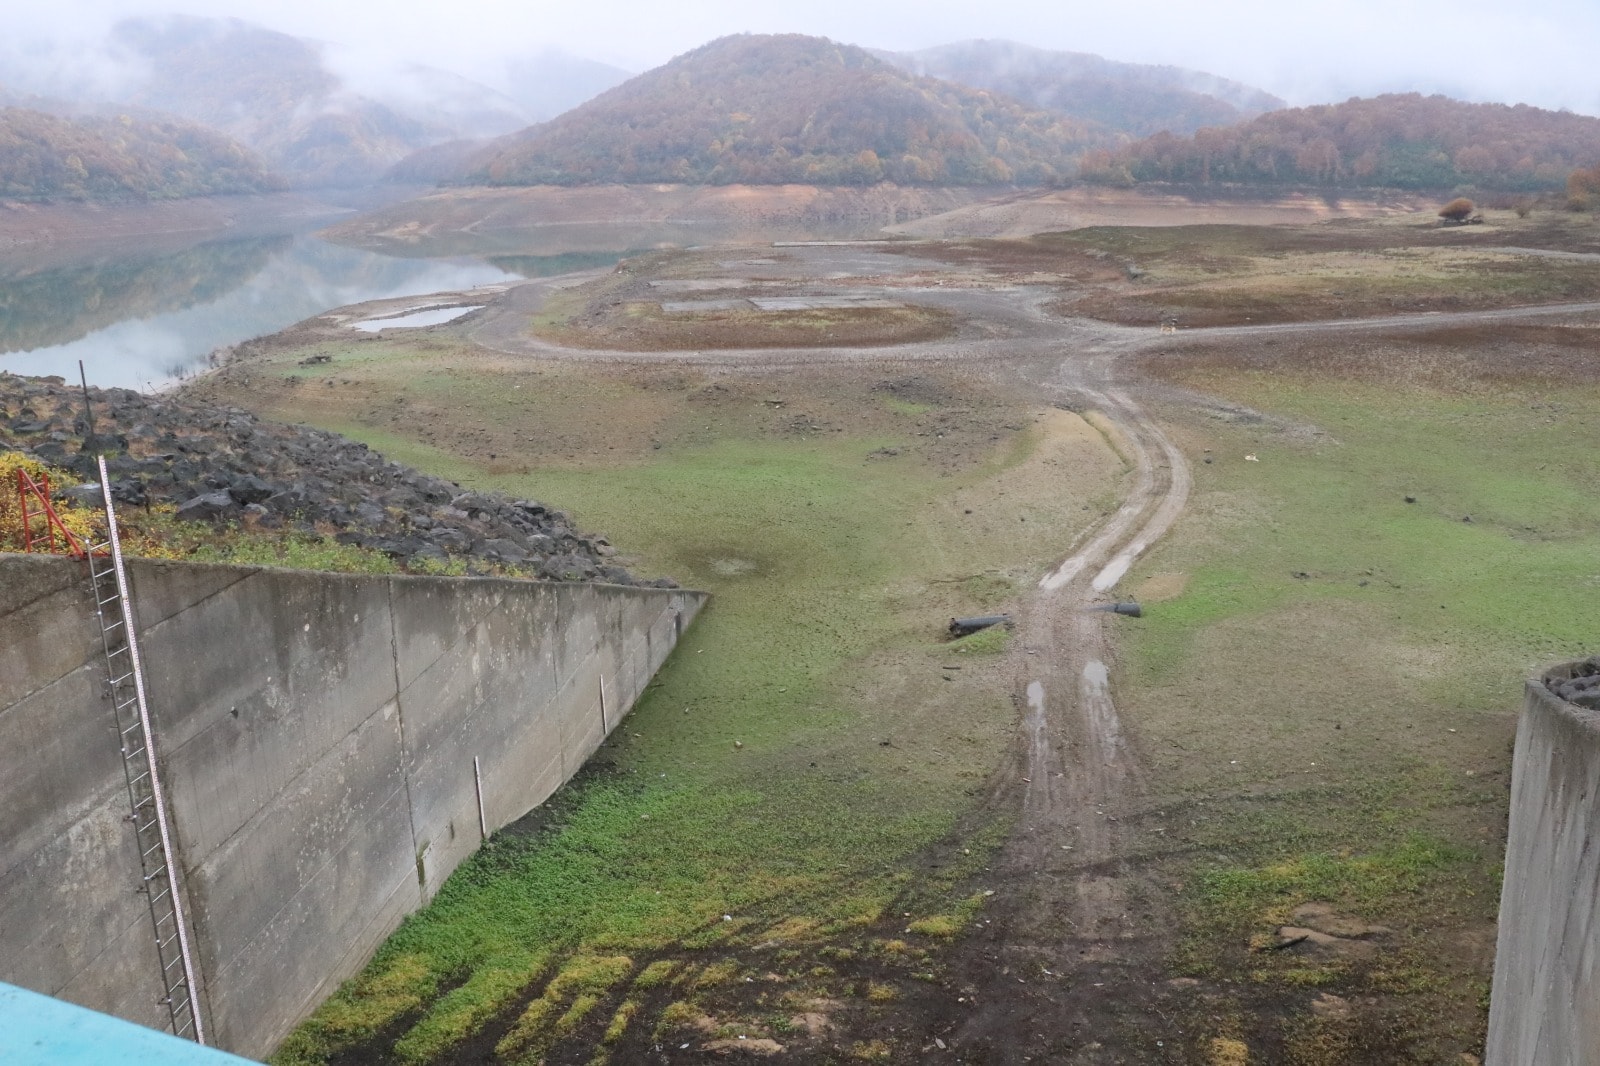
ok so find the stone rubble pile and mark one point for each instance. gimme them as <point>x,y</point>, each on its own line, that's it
<point>1583,687</point>
<point>219,465</point>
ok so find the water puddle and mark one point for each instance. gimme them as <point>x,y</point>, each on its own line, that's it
<point>433,316</point>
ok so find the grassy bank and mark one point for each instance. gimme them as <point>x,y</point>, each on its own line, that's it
<point>1329,704</point>
<point>791,815</point>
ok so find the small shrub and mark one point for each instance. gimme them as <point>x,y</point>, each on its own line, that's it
<point>1457,210</point>
<point>83,522</point>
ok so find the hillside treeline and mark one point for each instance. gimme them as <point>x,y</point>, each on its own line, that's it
<point>1132,98</point>
<point>45,156</point>
<point>1406,141</point>
<point>773,109</point>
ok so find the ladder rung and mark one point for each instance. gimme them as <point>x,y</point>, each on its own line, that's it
<point>129,702</point>
<point>173,989</point>
<point>153,847</point>
<point>124,677</point>
<point>158,898</point>
<point>126,754</point>
<point>163,943</point>
<point>109,599</point>
<point>136,723</point>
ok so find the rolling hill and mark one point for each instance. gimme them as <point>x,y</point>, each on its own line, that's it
<point>321,114</point>
<point>288,98</point>
<point>1132,98</point>
<point>45,156</point>
<point>789,108</point>
<point>1401,141</point>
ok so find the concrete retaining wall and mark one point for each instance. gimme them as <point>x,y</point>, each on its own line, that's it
<point>317,735</point>
<point>1545,1007</point>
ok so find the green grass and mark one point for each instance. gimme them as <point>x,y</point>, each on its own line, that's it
<point>1330,703</point>
<point>1240,898</point>
<point>991,641</point>
<point>1499,593</point>
<point>750,792</point>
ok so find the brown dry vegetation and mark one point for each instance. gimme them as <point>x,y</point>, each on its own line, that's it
<point>1225,275</point>
<point>624,312</point>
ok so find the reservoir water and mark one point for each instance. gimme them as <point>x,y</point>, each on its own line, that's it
<point>141,320</point>
<point>141,315</point>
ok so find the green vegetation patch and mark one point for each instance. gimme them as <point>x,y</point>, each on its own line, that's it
<point>780,780</point>
<point>1329,704</point>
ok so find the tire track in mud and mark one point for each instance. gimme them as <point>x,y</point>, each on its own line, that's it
<point>1063,971</point>
<point>1051,976</point>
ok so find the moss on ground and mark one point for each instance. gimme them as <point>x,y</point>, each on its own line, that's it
<point>786,770</point>
<point>1329,704</point>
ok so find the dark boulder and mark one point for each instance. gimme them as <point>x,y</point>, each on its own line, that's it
<point>209,507</point>
<point>251,489</point>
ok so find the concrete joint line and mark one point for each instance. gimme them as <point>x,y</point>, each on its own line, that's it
<point>400,724</point>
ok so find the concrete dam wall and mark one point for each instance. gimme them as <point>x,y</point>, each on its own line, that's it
<point>317,735</point>
<point>1545,1008</point>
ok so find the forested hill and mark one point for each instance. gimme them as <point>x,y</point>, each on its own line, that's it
<point>1134,98</point>
<point>790,108</point>
<point>1404,141</point>
<point>45,156</point>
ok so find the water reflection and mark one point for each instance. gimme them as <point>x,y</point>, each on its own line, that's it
<point>48,308</point>
<point>139,322</point>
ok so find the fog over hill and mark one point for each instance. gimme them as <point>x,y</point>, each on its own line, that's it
<point>320,114</point>
<point>1131,97</point>
<point>789,108</point>
<point>552,80</point>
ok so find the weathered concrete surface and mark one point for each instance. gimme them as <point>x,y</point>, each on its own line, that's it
<point>1545,1008</point>
<point>317,734</point>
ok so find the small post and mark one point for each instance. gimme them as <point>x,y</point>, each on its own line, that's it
<point>477,784</point>
<point>88,411</point>
<point>604,727</point>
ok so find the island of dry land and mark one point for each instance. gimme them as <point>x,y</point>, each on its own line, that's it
<point>1346,469</point>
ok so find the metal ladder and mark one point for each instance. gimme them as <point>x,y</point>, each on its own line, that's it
<point>150,818</point>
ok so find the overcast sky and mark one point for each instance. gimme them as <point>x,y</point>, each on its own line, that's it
<point>1541,52</point>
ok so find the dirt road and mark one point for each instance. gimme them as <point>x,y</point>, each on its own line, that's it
<point>1064,970</point>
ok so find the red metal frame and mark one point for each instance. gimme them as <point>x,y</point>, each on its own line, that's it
<point>40,491</point>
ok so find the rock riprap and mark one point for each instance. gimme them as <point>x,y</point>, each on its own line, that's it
<point>223,465</point>
<point>1583,687</point>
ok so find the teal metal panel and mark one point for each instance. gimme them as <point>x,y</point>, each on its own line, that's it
<point>36,1030</point>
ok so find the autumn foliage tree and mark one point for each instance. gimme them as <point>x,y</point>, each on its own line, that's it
<point>44,156</point>
<point>1583,188</point>
<point>1457,210</point>
<point>1405,141</point>
<point>758,109</point>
